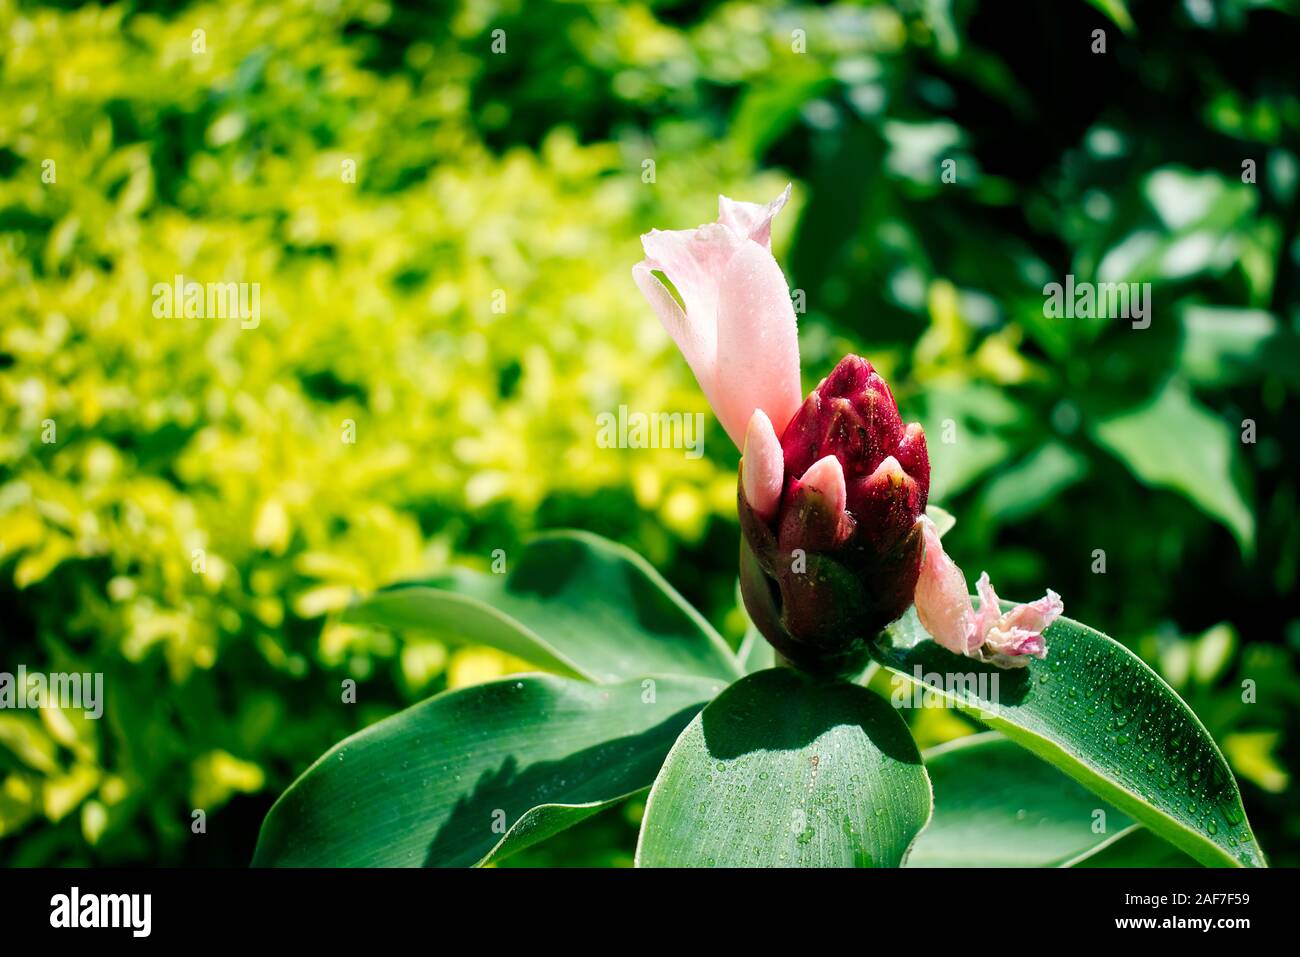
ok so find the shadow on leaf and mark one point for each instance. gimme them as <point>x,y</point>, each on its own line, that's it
<point>503,795</point>
<point>783,710</point>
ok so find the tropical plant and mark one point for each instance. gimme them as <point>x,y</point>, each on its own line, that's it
<point>193,525</point>
<point>797,764</point>
<point>748,764</point>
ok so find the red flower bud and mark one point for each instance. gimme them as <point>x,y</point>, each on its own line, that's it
<point>835,557</point>
<point>832,512</point>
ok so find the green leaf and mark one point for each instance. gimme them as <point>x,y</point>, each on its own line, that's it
<point>756,652</point>
<point>996,805</point>
<point>1024,488</point>
<point>1117,10</point>
<point>1095,711</point>
<point>1207,223</point>
<point>1173,442</point>
<point>1254,755</point>
<point>976,417</point>
<point>471,775</point>
<point>573,603</point>
<point>770,107</point>
<point>784,770</point>
<point>1223,346</point>
<point>1135,846</point>
<point>943,519</point>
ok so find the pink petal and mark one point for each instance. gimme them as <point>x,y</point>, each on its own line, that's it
<point>762,469</point>
<point>1036,615</point>
<point>942,603</point>
<point>697,341</point>
<point>814,514</point>
<point>757,344</point>
<point>1020,631</point>
<point>694,260</point>
<point>735,325</point>
<point>826,475</point>
<point>751,220</point>
<point>888,472</point>
<point>990,609</point>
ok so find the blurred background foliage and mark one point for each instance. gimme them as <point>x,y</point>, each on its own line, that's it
<point>466,304</point>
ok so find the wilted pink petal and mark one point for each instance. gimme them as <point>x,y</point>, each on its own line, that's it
<point>1019,632</point>
<point>1036,615</point>
<point>1007,640</point>
<point>942,602</point>
<point>762,469</point>
<point>990,609</point>
<point>737,328</point>
<point>753,220</point>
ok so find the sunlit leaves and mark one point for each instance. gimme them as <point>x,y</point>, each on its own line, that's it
<point>572,602</point>
<point>477,773</point>
<point>785,771</point>
<point>1097,713</point>
<point>1174,442</point>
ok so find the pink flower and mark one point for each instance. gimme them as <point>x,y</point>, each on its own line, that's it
<point>829,513</point>
<point>833,488</point>
<point>737,330</point>
<point>1006,639</point>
